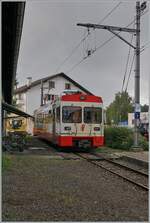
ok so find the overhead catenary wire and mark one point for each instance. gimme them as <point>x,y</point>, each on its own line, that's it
<point>142,49</point>
<point>72,52</point>
<point>127,63</point>
<point>75,65</point>
<point>108,14</point>
<point>145,46</point>
<point>130,72</point>
<point>97,48</point>
<point>108,40</point>
<point>103,44</point>
<point>78,45</point>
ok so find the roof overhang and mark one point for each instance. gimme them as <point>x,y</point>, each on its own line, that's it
<point>12,23</point>
<point>12,109</point>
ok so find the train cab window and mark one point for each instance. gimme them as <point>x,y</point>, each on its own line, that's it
<point>16,124</point>
<point>92,115</point>
<point>71,114</point>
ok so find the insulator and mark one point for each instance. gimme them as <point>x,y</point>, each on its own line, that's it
<point>143,6</point>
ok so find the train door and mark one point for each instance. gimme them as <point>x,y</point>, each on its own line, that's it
<point>57,121</point>
<point>54,124</point>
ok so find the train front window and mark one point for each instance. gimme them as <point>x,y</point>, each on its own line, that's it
<point>92,115</point>
<point>71,114</point>
<point>16,124</point>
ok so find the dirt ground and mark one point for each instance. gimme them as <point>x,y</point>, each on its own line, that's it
<point>37,188</point>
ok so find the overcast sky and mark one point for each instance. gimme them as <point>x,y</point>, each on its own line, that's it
<point>50,34</point>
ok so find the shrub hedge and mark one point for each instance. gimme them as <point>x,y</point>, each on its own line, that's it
<point>144,143</point>
<point>122,138</point>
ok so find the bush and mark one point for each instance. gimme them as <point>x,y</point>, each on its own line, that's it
<point>118,137</point>
<point>143,143</point>
<point>122,138</point>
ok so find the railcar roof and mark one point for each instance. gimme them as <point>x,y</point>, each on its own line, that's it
<point>82,98</point>
<point>72,98</point>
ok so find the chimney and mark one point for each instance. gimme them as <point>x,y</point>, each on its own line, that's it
<point>29,81</point>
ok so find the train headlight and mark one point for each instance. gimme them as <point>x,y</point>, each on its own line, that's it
<point>96,128</point>
<point>67,128</point>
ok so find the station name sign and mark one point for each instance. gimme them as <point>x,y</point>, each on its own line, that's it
<point>137,110</point>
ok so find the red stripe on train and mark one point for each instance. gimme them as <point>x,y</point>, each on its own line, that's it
<point>67,141</point>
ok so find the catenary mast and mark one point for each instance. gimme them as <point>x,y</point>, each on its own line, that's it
<point>136,31</point>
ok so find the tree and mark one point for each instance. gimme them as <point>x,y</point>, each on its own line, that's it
<point>118,110</point>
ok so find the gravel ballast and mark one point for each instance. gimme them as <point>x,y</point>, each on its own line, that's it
<point>37,188</point>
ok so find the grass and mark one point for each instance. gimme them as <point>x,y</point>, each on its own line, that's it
<point>106,149</point>
<point>6,162</point>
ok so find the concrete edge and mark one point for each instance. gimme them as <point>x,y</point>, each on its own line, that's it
<point>136,161</point>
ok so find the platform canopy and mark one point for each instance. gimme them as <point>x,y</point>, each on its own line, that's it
<point>12,109</point>
<point>12,23</point>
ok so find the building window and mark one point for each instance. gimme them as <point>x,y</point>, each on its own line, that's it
<point>51,97</point>
<point>67,86</point>
<point>51,84</point>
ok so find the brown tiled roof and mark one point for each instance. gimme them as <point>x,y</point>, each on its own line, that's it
<point>37,82</point>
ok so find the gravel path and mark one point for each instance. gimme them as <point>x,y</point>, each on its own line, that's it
<point>37,188</point>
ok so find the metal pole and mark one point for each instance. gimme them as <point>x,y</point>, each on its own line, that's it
<point>137,74</point>
<point>139,8</point>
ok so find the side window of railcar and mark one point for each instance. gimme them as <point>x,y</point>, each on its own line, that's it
<point>92,115</point>
<point>97,115</point>
<point>39,120</point>
<point>71,114</point>
<point>87,115</point>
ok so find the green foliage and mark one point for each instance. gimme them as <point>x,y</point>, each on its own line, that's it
<point>118,110</point>
<point>122,138</point>
<point>118,137</point>
<point>144,108</point>
<point>143,143</point>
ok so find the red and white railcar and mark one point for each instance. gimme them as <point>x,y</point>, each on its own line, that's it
<point>72,120</point>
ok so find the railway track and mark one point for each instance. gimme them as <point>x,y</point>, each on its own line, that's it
<point>131,175</point>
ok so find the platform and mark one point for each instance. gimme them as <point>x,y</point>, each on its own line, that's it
<point>140,158</point>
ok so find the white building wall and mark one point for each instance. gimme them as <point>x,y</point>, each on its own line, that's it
<point>60,86</point>
<point>32,98</point>
<point>21,101</point>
